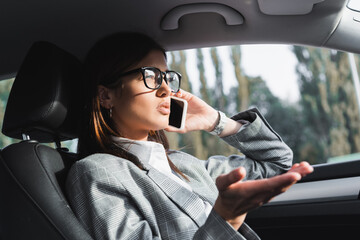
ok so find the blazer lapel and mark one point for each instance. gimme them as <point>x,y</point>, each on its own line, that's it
<point>187,200</point>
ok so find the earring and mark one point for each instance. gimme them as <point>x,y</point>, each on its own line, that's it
<point>110,112</point>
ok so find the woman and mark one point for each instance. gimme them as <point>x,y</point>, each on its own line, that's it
<point>130,186</point>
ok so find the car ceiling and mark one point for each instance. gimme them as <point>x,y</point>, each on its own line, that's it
<point>182,24</point>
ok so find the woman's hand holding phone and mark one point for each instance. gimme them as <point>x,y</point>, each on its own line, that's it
<point>199,115</point>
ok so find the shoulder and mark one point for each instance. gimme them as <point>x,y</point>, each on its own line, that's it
<point>99,160</point>
<point>101,164</point>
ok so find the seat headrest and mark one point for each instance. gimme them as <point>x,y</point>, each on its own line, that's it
<point>43,101</point>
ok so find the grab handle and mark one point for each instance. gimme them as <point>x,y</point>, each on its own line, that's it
<point>171,19</point>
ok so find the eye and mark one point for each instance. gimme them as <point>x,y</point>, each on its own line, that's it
<point>149,74</point>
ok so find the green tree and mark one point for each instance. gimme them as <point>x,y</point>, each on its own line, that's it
<point>5,86</point>
<point>243,82</point>
<point>204,90</point>
<point>191,141</point>
<point>219,100</point>
<point>329,103</point>
<point>284,118</point>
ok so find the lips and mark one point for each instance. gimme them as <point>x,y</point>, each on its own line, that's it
<point>164,108</point>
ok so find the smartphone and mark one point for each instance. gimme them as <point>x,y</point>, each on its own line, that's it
<point>178,108</point>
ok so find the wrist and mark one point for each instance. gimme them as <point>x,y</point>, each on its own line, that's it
<point>212,119</point>
<point>220,124</point>
<point>234,221</point>
<point>237,222</point>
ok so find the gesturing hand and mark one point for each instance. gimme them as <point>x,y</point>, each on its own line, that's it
<point>236,198</point>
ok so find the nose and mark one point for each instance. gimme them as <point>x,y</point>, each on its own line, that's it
<point>164,90</point>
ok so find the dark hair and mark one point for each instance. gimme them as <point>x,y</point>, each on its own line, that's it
<point>108,58</point>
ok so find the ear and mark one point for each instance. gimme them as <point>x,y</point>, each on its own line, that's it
<point>105,96</point>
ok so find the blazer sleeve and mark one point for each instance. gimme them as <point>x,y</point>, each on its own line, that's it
<point>216,227</point>
<point>264,152</point>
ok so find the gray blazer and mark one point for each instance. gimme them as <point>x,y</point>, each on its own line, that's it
<point>114,199</point>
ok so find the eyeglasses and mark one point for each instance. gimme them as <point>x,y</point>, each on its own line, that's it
<point>153,78</point>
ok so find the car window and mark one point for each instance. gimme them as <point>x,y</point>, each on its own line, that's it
<point>5,87</point>
<point>307,95</point>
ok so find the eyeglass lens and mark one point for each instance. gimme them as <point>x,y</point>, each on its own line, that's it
<point>153,79</point>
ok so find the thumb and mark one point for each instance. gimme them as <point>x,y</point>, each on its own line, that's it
<point>225,180</point>
<point>174,129</point>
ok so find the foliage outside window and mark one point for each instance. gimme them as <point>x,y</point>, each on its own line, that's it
<point>322,126</point>
<point>5,87</point>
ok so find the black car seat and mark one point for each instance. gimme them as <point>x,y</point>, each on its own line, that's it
<point>42,108</point>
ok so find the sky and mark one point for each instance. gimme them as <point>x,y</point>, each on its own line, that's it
<point>274,63</point>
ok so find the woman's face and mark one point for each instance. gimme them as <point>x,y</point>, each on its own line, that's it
<point>136,109</point>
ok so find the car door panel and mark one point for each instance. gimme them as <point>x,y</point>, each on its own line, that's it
<point>325,205</point>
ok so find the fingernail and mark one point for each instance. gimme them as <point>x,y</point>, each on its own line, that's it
<point>179,93</point>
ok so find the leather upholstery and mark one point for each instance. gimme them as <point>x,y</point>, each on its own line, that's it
<point>43,105</point>
<point>44,89</point>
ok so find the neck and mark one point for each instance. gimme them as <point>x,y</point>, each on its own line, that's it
<point>135,135</point>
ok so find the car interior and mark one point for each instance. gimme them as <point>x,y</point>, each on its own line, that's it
<point>32,174</point>
<point>42,47</point>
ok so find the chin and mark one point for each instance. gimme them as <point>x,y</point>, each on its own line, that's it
<point>159,126</point>
<point>162,127</point>
<point>162,123</point>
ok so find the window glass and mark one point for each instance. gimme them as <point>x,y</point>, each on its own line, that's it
<point>307,94</point>
<point>71,145</point>
<point>5,87</point>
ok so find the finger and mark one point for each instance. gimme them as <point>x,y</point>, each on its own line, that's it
<point>305,165</point>
<point>273,186</point>
<point>295,166</point>
<point>174,129</point>
<point>283,182</point>
<point>303,168</point>
<point>179,93</point>
<point>254,193</point>
<point>225,180</point>
<point>300,165</point>
<point>183,94</point>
